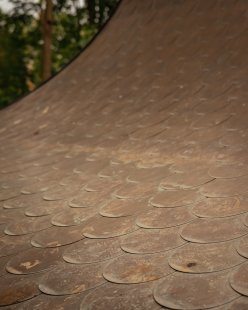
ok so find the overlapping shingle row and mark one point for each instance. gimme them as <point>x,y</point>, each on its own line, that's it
<point>124,179</point>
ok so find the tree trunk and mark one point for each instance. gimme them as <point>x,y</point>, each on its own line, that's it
<point>101,11</point>
<point>91,10</point>
<point>46,24</point>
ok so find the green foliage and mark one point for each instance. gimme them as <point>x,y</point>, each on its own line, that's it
<point>70,35</point>
<point>12,66</point>
<point>21,40</point>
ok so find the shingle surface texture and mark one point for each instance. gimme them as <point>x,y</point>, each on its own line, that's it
<point>124,179</point>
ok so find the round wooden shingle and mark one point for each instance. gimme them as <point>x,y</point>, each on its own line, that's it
<point>118,296</point>
<point>148,241</point>
<point>92,251</point>
<point>136,268</point>
<point>194,291</point>
<point>15,289</point>
<point>164,217</point>
<point>69,279</point>
<point>57,236</point>
<point>238,279</point>
<point>214,230</point>
<point>106,227</point>
<point>175,198</point>
<point>34,260</point>
<point>202,258</point>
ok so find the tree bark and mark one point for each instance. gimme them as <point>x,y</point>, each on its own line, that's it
<point>91,10</point>
<point>46,22</point>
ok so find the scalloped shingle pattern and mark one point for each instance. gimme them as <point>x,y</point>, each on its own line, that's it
<point>124,179</point>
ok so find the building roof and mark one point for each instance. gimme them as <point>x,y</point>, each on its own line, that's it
<point>124,179</point>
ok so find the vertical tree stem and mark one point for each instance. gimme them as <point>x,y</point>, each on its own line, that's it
<point>47,17</point>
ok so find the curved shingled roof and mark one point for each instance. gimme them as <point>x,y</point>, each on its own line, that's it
<point>124,179</point>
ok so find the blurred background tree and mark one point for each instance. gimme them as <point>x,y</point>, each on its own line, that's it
<point>38,37</point>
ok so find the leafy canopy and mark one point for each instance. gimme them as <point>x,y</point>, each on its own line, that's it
<point>75,22</point>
